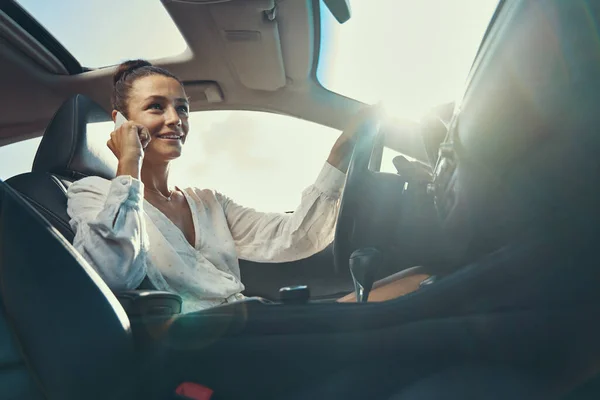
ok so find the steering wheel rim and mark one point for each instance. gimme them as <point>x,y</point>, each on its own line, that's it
<point>359,172</point>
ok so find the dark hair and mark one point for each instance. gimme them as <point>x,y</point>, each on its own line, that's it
<point>127,73</point>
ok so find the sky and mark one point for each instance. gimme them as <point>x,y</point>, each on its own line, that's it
<point>410,55</point>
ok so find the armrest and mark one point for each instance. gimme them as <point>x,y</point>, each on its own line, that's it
<point>149,302</point>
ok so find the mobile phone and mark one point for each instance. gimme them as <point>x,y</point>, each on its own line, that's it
<point>119,120</point>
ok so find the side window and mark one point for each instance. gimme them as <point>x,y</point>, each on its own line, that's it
<point>16,158</point>
<point>387,160</point>
<point>258,159</point>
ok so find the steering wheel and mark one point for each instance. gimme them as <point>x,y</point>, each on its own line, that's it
<point>354,197</point>
<point>383,210</point>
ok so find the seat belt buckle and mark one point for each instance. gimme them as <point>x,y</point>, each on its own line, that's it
<point>194,391</point>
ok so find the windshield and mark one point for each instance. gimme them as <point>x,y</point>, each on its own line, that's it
<point>411,55</point>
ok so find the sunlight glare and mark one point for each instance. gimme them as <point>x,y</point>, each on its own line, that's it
<point>410,55</point>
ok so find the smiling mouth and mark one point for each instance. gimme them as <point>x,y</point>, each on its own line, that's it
<point>171,136</point>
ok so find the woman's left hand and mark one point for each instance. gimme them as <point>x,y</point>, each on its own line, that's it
<point>340,154</point>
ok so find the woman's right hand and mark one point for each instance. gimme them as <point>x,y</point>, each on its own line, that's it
<point>128,143</point>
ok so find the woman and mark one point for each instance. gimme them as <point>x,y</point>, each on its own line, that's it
<point>186,240</point>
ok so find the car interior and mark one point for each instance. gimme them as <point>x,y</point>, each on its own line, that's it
<point>505,230</point>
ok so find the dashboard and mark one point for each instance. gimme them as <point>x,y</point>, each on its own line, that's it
<point>506,165</point>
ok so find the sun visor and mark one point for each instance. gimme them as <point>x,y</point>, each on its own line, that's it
<point>250,32</point>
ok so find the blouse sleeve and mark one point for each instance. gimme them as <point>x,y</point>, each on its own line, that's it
<point>280,237</point>
<point>107,218</point>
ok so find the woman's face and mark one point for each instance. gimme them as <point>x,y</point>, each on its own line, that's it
<point>160,104</point>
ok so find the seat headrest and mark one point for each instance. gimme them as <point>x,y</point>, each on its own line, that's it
<point>69,148</point>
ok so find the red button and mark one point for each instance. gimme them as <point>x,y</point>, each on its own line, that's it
<point>194,391</point>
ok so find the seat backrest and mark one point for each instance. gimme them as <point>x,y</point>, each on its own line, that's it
<point>68,151</point>
<point>63,335</point>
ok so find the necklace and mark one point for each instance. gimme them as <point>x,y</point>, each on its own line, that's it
<point>168,198</point>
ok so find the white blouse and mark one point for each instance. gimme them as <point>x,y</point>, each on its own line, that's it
<point>126,238</point>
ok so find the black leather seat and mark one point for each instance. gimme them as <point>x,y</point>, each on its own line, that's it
<point>68,151</point>
<point>63,335</point>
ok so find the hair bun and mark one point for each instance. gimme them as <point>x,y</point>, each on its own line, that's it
<point>127,67</point>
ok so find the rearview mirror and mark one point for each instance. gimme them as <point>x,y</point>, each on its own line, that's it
<point>340,9</point>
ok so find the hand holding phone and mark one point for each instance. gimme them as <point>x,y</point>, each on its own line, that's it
<point>142,131</point>
<point>119,120</point>
<point>128,141</point>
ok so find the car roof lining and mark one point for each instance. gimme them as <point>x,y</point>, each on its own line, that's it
<point>281,80</point>
<point>14,35</point>
<point>25,22</point>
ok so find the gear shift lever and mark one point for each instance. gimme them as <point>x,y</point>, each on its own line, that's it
<point>363,267</point>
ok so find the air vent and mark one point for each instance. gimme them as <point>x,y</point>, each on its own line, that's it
<point>242,36</point>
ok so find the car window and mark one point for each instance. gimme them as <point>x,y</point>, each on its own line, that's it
<point>258,159</point>
<point>106,23</point>
<point>410,55</point>
<point>387,160</point>
<point>16,158</point>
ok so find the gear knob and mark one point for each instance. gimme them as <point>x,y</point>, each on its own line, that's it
<point>363,268</point>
